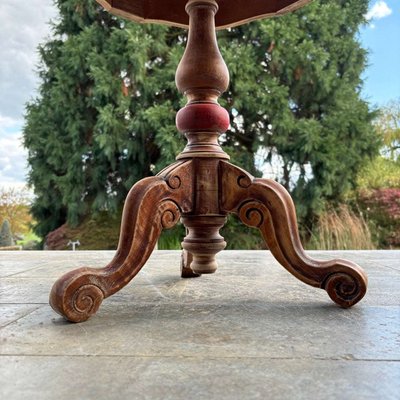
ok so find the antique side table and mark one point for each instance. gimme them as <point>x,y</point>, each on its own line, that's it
<point>202,187</point>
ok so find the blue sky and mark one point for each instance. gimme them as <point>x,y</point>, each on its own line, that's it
<point>24,24</point>
<point>382,38</point>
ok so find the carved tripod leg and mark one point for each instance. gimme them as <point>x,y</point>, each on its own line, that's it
<point>153,204</point>
<point>266,205</point>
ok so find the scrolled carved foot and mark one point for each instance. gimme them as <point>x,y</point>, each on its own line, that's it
<point>186,271</point>
<point>266,205</point>
<point>345,289</point>
<point>78,295</point>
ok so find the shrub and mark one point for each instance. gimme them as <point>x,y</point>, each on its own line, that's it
<point>5,235</point>
<point>171,239</point>
<point>32,245</point>
<point>98,232</point>
<point>382,207</point>
<point>341,229</point>
<point>379,173</point>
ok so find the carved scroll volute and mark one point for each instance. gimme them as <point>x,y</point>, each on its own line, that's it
<point>202,76</point>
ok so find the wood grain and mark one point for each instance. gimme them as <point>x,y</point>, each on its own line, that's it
<point>172,12</point>
<point>266,205</point>
<point>153,204</point>
<point>202,187</point>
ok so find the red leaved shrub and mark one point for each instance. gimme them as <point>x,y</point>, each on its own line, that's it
<point>382,209</point>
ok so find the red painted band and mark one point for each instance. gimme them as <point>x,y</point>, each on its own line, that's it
<point>202,117</point>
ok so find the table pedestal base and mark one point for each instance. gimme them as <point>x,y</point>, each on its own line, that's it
<point>156,203</point>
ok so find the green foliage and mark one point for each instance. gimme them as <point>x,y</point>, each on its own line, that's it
<point>6,238</point>
<point>295,90</point>
<point>241,237</point>
<point>99,232</point>
<point>15,207</point>
<point>171,239</point>
<point>387,125</point>
<point>379,173</point>
<point>236,235</point>
<point>104,115</point>
<point>378,182</point>
<point>91,132</point>
<point>30,241</point>
<point>383,172</point>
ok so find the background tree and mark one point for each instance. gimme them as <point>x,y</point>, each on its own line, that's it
<point>6,235</point>
<point>102,102</point>
<point>14,207</point>
<point>384,170</point>
<point>295,91</point>
<point>387,124</point>
<point>378,194</point>
<point>105,112</point>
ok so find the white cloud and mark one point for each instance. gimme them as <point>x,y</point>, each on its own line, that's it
<point>23,26</point>
<point>13,164</point>
<point>379,10</point>
<point>8,122</point>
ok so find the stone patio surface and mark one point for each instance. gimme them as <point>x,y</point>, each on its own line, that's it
<point>249,331</point>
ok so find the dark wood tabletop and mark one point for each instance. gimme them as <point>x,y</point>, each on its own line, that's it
<point>172,12</point>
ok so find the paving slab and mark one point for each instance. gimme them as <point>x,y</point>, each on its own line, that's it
<point>250,331</point>
<point>195,378</point>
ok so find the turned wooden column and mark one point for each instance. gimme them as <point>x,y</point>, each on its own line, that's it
<point>202,76</point>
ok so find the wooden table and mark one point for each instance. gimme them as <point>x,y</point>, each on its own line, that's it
<point>202,187</point>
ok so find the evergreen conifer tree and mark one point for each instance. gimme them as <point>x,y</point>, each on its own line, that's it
<point>295,91</point>
<point>105,96</point>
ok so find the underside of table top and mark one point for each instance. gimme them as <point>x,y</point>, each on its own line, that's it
<point>172,12</point>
